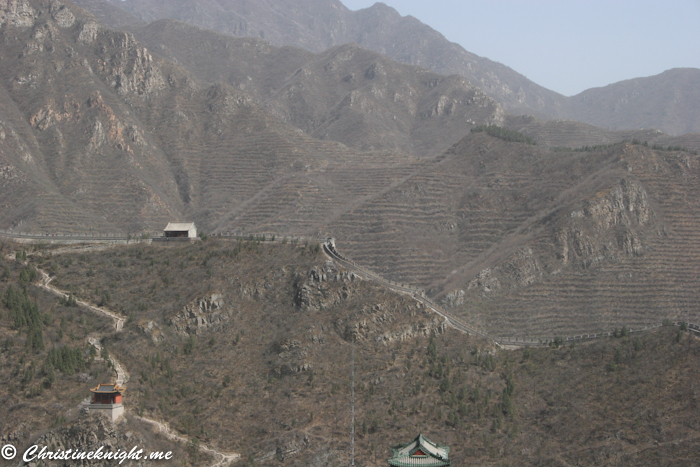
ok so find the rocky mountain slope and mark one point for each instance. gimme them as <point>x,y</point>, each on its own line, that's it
<point>145,140</point>
<point>247,346</point>
<point>502,231</point>
<point>346,93</point>
<point>319,25</point>
<point>244,344</point>
<point>667,101</point>
<point>72,144</point>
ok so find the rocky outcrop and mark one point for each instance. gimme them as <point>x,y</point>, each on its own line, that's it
<point>202,314</point>
<point>153,330</point>
<point>17,13</point>
<point>63,17</point>
<point>10,175</point>
<point>313,291</point>
<point>454,298</point>
<point>626,204</point>
<point>484,282</point>
<point>426,328</point>
<point>380,323</point>
<point>284,447</point>
<point>291,358</point>
<point>88,32</point>
<point>523,267</point>
<point>606,226</point>
<point>90,433</point>
<point>50,114</point>
<point>130,68</point>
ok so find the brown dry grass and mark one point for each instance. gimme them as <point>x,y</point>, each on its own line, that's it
<point>570,406</point>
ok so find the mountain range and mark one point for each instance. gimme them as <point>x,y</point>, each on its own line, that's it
<point>119,117</point>
<point>105,130</point>
<point>667,102</point>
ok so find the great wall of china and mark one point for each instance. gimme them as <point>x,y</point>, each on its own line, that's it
<point>329,249</point>
<point>121,374</point>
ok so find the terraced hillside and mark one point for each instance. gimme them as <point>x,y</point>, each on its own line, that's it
<point>623,256</point>
<point>459,207</point>
<point>98,135</point>
<point>525,241</point>
<point>141,141</point>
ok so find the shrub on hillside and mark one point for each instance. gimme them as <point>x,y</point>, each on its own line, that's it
<point>503,133</point>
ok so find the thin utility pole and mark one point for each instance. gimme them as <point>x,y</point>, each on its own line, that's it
<point>352,405</point>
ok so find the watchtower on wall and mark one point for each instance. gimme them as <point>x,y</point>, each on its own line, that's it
<point>107,399</point>
<point>421,451</point>
<point>180,230</point>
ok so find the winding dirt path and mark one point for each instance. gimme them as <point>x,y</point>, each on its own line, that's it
<point>45,284</point>
<point>170,434</point>
<point>122,375</point>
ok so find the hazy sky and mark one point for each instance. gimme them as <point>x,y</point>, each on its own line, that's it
<point>567,45</point>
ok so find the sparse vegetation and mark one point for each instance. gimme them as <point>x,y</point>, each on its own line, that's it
<point>455,385</point>
<point>65,359</point>
<point>588,148</point>
<point>602,147</point>
<point>504,133</point>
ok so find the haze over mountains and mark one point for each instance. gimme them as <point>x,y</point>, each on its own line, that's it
<point>523,227</point>
<point>109,131</point>
<point>317,25</point>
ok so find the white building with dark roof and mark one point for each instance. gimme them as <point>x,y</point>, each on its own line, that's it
<point>180,230</point>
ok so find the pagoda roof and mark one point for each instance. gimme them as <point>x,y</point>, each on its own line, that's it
<point>421,451</point>
<point>108,388</point>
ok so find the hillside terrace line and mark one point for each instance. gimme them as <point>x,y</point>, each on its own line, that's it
<point>329,249</point>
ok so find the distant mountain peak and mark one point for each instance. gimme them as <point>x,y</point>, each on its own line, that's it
<point>317,25</point>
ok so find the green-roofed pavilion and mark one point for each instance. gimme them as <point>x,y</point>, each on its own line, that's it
<point>421,451</point>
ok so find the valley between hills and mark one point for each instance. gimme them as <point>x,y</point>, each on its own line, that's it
<point>461,181</point>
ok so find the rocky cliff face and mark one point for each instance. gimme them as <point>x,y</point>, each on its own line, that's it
<point>202,315</point>
<point>128,68</point>
<point>653,102</point>
<point>346,93</point>
<point>606,226</point>
<point>17,13</point>
<point>66,81</point>
<point>318,289</point>
<point>617,253</point>
<point>140,141</point>
<point>328,287</point>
